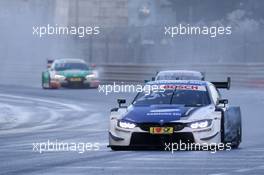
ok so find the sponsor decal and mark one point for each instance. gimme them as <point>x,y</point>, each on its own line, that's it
<point>161,130</point>
<point>165,110</point>
<point>164,113</point>
<point>185,87</point>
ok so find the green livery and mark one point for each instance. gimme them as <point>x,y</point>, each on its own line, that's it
<point>69,73</point>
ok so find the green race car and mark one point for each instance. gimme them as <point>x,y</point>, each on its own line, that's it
<point>69,73</point>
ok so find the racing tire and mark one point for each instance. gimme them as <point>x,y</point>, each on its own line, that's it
<point>222,130</point>
<point>45,87</point>
<point>117,148</point>
<point>43,84</point>
<point>237,140</point>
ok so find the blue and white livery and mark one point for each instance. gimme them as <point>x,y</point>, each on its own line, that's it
<point>188,111</point>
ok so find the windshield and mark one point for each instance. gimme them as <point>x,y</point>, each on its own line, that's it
<point>70,66</point>
<point>193,98</point>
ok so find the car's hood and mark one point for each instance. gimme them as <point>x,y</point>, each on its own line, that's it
<point>161,113</point>
<point>74,73</point>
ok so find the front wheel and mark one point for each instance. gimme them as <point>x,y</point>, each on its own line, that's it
<point>121,148</point>
<point>116,148</point>
<point>237,140</point>
<point>45,83</point>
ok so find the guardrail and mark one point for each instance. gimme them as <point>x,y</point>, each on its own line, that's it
<point>250,74</point>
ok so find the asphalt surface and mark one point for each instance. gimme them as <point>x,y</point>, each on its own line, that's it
<point>30,115</point>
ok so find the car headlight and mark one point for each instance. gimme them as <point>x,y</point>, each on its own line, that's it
<point>90,76</point>
<point>200,124</point>
<point>59,77</point>
<point>126,125</point>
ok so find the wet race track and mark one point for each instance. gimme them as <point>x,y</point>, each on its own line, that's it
<point>31,115</point>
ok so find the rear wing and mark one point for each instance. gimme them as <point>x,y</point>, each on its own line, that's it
<point>223,85</point>
<point>49,63</point>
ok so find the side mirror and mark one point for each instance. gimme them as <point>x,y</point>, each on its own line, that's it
<point>114,110</point>
<point>153,79</point>
<point>120,102</point>
<point>223,102</point>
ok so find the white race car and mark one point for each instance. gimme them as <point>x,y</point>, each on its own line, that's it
<point>186,111</point>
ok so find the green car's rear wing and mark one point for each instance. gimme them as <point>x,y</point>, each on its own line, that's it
<point>223,85</point>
